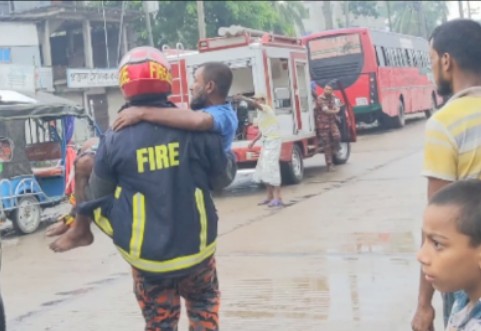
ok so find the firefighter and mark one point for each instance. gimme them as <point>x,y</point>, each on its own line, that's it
<point>215,116</point>
<point>326,113</point>
<point>151,187</point>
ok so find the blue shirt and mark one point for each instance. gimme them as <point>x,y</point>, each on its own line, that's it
<point>462,318</point>
<point>225,123</point>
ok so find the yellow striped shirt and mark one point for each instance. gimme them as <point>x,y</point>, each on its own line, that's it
<point>452,147</point>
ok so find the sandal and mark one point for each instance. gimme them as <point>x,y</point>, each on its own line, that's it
<point>275,203</point>
<point>265,202</point>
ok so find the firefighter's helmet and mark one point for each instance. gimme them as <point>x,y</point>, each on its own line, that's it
<point>143,72</point>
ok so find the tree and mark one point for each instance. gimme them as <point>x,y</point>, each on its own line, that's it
<point>363,8</point>
<point>176,21</point>
<point>406,16</point>
<point>359,8</point>
<point>326,7</point>
<point>293,12</point>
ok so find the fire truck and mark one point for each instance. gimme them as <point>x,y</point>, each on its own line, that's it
<point>276,66</point>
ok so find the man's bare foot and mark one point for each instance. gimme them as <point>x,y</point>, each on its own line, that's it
<point>75,237</point>
<point>57,229</point>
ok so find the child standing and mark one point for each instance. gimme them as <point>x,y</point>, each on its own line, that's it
<point>451,253</point>
<point>268,168</point>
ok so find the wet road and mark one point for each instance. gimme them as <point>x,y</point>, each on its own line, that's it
<point>341,256</point>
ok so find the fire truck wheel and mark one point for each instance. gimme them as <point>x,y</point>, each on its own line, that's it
<point>292,172</point>
<point>342,156</point>
<point>26,218</point>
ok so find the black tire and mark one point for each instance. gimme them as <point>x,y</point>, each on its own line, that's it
<point>292,172</point>
<point>27,215</point>
<point>400,120</point>
<point>384,121</point>
<point>342,156</point>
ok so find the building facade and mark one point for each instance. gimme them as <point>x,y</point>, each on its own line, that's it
<point>76,43</point>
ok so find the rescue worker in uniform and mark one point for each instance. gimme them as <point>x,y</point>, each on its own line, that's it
<point>150,191</point>
<point>326,112</point>
<point>213,115</point>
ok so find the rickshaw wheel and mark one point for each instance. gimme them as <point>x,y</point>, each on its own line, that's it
<point>26,218</point>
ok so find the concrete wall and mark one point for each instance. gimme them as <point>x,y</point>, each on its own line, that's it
<point>18,34</point>
<point>26,55</point>
<point>115,100</point>
<point>22,39</point>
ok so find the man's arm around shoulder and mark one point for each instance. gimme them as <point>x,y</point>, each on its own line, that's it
<point>184,119</point>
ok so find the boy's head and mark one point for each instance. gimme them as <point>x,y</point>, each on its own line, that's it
<point>451,252</point>
<point>212,82</point>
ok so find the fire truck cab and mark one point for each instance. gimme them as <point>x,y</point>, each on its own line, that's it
<point>275,66</point>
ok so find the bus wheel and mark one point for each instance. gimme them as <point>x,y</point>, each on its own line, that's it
<point>400,120</point>
<point>26,218</point>
<point>343,154</point>
<point>434,107</point>
<point>293,172</point>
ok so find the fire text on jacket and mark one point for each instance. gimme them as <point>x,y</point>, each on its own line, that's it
<point>157,157</point>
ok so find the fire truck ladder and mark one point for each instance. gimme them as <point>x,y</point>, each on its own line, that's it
<point>265,37</point>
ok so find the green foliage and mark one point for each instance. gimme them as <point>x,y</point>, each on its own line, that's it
<point>405,16</point>
<point>363,8</point>
<point>176,21</point>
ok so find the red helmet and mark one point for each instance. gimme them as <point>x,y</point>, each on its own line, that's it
<point>144,71</point>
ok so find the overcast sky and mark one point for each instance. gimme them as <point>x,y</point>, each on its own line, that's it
<point>454,9</point>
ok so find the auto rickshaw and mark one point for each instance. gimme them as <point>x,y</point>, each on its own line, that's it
<point>33,147</point>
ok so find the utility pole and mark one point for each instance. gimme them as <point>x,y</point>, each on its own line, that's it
<point>148,23</point>
<point>461,11</point>
<point>121,30</point>
<point>201,19</point>
<point>469,9</point>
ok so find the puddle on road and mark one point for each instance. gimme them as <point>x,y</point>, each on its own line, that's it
<point>375,243</point>
<point>286,298</point>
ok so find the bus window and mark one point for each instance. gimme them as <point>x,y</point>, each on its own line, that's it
<point>376,50</point>
<point>414,57</point>
<point>400,57</point>
<point>385,57</point>
<point>390,58</point>
<point>426,59</point>
<point>407,57</point>
<point>392,54</point>
<point>420,59</point>
<point>336,57</point>
<point>396,57</point>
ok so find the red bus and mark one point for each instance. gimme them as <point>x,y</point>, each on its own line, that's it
<point>386,75</point>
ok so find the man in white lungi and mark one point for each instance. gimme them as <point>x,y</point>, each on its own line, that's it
<point>268,168</point>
